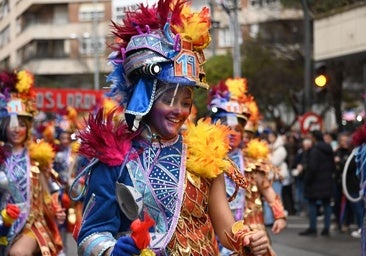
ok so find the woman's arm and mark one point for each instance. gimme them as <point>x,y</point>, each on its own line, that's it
<point>219,210</point>
<point>102,218</point>
<point>223,220</point>
<point>274,201</point>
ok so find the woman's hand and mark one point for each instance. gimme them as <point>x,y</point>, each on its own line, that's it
<point>278,225</point>
<point>125,246</point>
<point>257,242</point>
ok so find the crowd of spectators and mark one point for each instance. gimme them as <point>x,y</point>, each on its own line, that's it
<point>312,179</point>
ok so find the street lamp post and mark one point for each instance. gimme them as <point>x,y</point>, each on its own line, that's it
<point>95,46</point>
<point>232,12</point>
<point>308,55</point>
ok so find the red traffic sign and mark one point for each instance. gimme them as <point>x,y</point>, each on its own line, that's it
<point>310,121</point>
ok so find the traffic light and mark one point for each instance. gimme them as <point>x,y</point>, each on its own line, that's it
<point>321,78</point>
<point>321,82</point>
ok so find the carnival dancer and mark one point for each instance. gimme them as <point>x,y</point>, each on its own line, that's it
<point>27,172</point>
<point>143,171</point>
<point>359,152</point>
<point>10,212</point>
<point>232,105</point>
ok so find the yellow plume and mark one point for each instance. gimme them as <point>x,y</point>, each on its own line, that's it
<point>41,153</point>
<point>25,81</point>
<point>257,149</point>
<point>208,146</point>
<point>195,26</point>
<point>237,87</point>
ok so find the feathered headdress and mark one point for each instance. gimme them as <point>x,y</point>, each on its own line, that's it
<point>229,100</point>
<point>17,96</point>
<point>162,43</point>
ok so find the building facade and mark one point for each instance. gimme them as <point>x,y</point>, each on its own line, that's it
<point>63,43</point>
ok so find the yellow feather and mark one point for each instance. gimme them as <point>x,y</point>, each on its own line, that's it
<point>25,81</point>
<point>41,153</point>
<point>257,149</point>
<point>208,146</point>
<point>195,26</point>
<point>237,87</point>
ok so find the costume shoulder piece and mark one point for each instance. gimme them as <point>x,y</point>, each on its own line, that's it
<point>208,146</point>
<point>104,139</point>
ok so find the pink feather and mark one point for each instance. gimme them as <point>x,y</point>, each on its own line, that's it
<point>105,140</point>
<point>359,136</point>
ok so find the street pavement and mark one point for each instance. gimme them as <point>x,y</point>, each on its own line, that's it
<point>289,243</point>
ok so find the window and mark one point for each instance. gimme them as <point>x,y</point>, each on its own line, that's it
<point>86,46</point>
<point>50,49</point>
<point>4,9</point>
<point>86,12</point>
<point>263,3</point>
<point>4,37</point>
<point>226,37</point>
<point>61,15</point>
<point>120,10</point>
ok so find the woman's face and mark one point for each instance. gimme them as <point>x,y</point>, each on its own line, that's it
<point>17,135</point>
<point>170,111</point>
<point>235,137</point>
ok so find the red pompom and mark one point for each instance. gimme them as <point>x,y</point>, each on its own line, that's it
<point>140,231</point>
<point>13,211</point>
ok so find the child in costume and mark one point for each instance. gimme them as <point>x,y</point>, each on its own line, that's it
<point>231,105</point>
<point>26,169</point>
<point>149,189</point>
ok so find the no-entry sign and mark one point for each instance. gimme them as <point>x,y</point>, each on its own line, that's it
<point>310,121</point>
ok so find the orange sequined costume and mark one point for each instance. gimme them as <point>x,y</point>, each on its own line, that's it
<point>194,223</point>
<point>41,220</point>
<point>257,173</point>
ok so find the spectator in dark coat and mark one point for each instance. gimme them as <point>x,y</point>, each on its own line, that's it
<point>319,182</point>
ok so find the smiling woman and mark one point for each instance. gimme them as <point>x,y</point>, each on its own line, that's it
<point>150,188</point>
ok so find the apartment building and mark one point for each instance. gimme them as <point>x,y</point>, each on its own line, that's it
<point>268,17</point>
<point>65,42</point>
